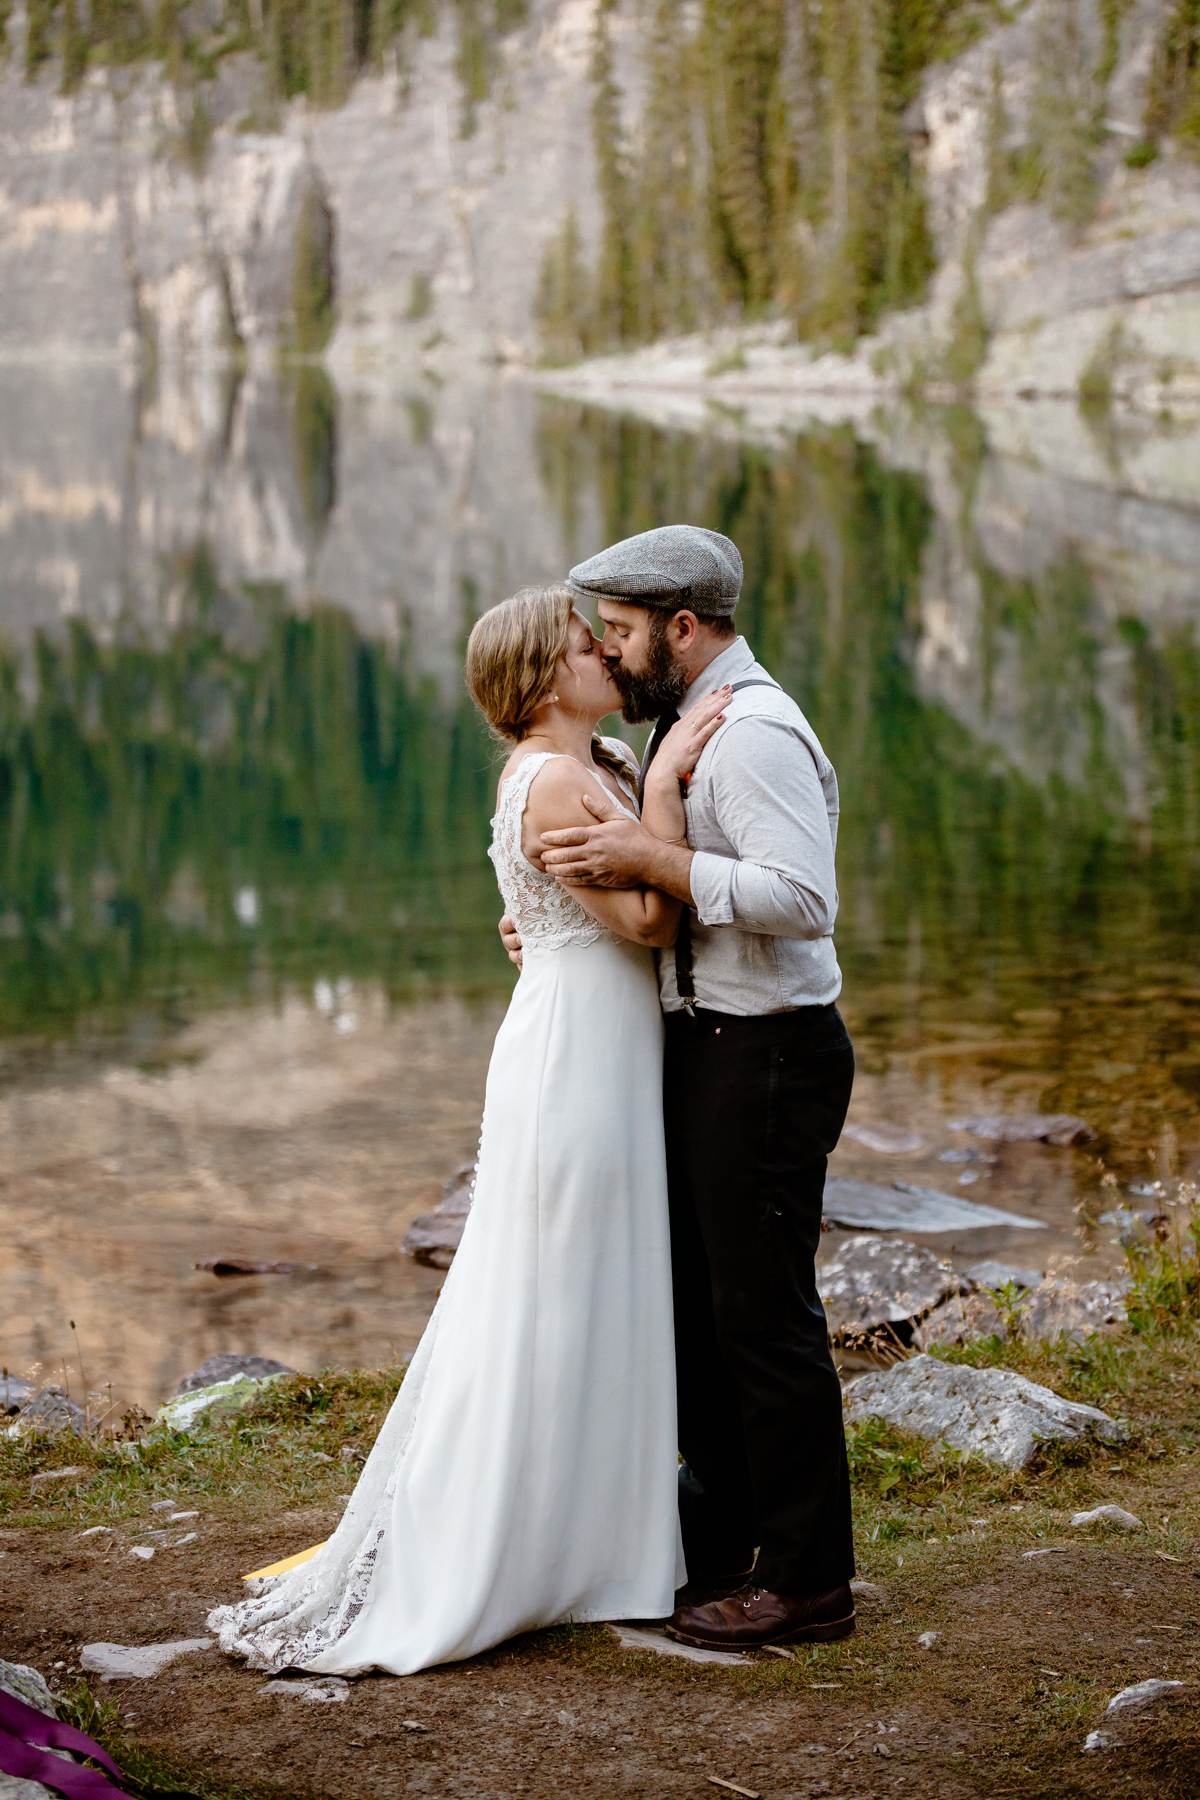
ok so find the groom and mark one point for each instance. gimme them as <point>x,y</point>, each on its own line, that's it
<point>757,1077</point>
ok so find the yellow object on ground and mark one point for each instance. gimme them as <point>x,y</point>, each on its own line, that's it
<point>289,1562</point>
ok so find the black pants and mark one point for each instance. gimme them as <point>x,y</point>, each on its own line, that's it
<point>753,1107</point>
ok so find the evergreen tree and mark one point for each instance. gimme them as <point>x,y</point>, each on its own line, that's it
<point>73,52</point>
<point>613,310</point>
<point>1173,91</point>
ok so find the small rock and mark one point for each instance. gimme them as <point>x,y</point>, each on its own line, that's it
<point>68,1474</point>
<point>887,1140</point>
<point>993,1274</point>
<point>928,1639</point>
<point>49,1410</point>
<point>1050,1550</point>
<point>435,1236</point>
<point>870,1284</point>
<point>1110,1515</point>
<point>958,1320</point>
<point>220,1368</point>
<point>637,1637</point>
<point>1142,1693</point>
<point>243,1265</point>
<point>328,1688</point>
<point>992,1413</point>
<point>1018,1128</point>
<point>136,1662</point>
<point>94,1531</point>
<point>1074,1309</point>
<point>162,1505</point>
<point>189,1537</point>
<point>235,1391</point>
<point>14,1393</point>
<point>143,1551</point>
<point>1129,1700</point>
<point>26,1684</point>
<point>412,1725</point>
<point>176,1517</point>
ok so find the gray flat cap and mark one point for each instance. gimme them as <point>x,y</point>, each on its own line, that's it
<point>671,566</point>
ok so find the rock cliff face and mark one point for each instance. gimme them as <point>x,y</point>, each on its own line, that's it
<point>118,241</point>
<point>114,242</point>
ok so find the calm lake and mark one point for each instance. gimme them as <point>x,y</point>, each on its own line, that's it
<point>250,974</point>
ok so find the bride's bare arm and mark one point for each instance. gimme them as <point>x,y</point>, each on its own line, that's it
<point>641,914</point>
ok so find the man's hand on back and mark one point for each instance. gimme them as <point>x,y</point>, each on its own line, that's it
<point>510,937</point>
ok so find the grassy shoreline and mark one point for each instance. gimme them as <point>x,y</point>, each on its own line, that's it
<point>943,1539</point>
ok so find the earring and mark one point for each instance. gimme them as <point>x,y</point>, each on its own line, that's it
<point>554,699</point>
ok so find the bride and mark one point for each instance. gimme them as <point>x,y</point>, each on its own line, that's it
<point>526,1472</point>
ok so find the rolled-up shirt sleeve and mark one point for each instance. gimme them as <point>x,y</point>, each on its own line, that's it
<point>771,808</point>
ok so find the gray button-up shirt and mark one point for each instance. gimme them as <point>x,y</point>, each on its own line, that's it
<point>762,817</point>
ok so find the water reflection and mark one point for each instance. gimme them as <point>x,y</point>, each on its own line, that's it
<point>237,768</point>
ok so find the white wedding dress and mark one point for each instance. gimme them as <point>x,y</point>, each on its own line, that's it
<point>525,1474</point>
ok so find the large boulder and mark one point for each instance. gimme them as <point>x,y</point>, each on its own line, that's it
<point>436,1235</point>
<point>991,1413</point>
<point>872,1285</point>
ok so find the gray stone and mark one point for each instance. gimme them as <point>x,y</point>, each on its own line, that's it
<point>236,1391</point>
<point>1142,1693</point>
<point>870,1284</point>
<point>71,1473</point>
<point>1129,1700</point>
<point>993,1274</point>
<point>26,1684</point>
<point>327,1689</point>
<point>1073,1309</point>
<point>143,1552</point>
<point>136,1662</point>
<point>220,1368</point>
<point>49,1410</point>
<point>887,1140</point>
<point>436,1235</point>
<point>928,1639</point>
<point>1109,1515</point>
<point>870,1206</point>
<point>14,1393</point>
<point>959,1320</point>
<point>639,1637</point>
<point>991,1413</point>
<point>1018,1128</point>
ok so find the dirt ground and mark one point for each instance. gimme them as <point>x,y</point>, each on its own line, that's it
<point>1027,1654</point>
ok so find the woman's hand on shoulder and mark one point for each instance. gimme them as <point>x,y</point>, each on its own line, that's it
<point>680,750</point>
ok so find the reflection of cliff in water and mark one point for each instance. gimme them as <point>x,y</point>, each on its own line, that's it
<point>232,779</point>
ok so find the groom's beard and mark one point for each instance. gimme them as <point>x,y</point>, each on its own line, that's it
<point>658,687</point>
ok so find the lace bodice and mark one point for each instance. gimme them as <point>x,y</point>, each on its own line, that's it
<point>545,914</point>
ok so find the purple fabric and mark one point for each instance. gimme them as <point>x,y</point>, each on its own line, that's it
<point>23,1728</point>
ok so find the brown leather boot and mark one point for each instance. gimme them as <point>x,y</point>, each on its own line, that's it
<point>710,1584</point>
<point>755,1616</point>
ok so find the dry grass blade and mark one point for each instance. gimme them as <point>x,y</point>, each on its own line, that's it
<point>733,1788</point>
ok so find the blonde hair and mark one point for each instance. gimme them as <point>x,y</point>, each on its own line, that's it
<point>513,654</point>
